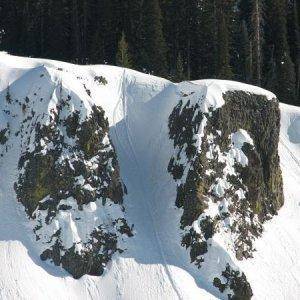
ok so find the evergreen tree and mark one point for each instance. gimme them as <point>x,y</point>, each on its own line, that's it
<point>187,39</point>
<point>75,32</point>
<point>96,51</point>
<point>40,23</point>
<point>192,38</point>
<point>294,41</point>
<point>244,45</point>
<point>257,38</point>
<point>85,6</point>
<point>153,46</point>
<point>238,53</point>
<point>184,22</point>
<point>296,14</point>
<point>55,29</point>
<point>224,70</point>
<point>208,39</point>
<point>131,24</point>
<point>108,10</point>
<point>103,28</point>
<point>123,57</point>
<point>271,70</point>
<point>284,84</point>
<point>246,53</point>
<point>179,75</point>
<point>173,20</point>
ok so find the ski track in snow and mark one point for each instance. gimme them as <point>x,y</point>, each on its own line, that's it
<point>154,266</point>
<point>144,191</point>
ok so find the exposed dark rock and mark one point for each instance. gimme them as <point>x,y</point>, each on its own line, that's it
<point>260,180</point>
<point>100,80</point>
<point>236,282</point>
<point>80,165</point>
<point>4,133</point>
<point>98,251</point>
<point>261,119</point>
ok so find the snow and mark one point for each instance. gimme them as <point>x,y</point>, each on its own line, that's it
<point>241,137</point>
<point>210,95</point>
<point>238,139</point>
<point>230,158</point>
<point>200,133</point>
<point>76,224</point>
<point>212,211</point>
<point>217,87</point>
<point>154,265</point>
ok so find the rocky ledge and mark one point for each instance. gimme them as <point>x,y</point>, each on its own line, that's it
<point>226,167</point>
<point>68,175</point>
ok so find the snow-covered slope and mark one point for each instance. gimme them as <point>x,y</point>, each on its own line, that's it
<point>153,264</point>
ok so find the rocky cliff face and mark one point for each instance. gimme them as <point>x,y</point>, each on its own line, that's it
<point>68,178</point>
<point>229,182</point>
<point>202,175</point>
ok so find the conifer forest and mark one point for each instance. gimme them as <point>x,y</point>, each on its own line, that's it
<point>253,41</point>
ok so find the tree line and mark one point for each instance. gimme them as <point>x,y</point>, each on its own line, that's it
<point>254,41</point>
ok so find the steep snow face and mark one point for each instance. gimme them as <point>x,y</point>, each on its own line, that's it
<point>153,264</point>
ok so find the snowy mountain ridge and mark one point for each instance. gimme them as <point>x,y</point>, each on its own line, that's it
<point>122,146</point>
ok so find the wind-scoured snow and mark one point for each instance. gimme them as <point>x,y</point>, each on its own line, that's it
<point>218,87</point>
<point>154,265</point>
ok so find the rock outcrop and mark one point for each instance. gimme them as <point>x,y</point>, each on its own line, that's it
<point>199,159</point>
<point>68,174</point>
<point>228,176</point>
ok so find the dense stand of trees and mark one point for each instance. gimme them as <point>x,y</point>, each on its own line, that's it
<point>255,41</point>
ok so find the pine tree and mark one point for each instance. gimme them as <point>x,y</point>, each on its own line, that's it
<point>123,57</point>
<point>246,53</point>
<point>187,33</point>
<point>271,70</point>
<point>284,85</point>
<point>75,32</point>
<point>85,30</point>
<point>96,51</point>
<point>195,38</point>
<point>131,24</point>
<point>296,14</point>
<point>224,70</point>
<point>108,10</point>
<point>257,37</point>
<point>208,39</point>
<point>193,35</point>
<point>179,74</point>
<point>244,43</point>
<point>60,29</point>
<point>173,23</point>
<point>103,28</point>
<point>294,41</point>
<point>153,46</point>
